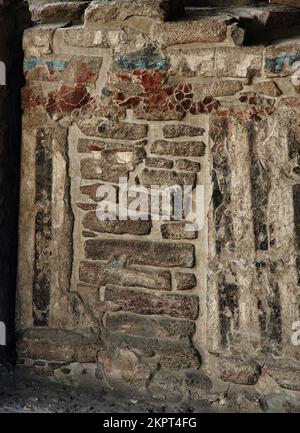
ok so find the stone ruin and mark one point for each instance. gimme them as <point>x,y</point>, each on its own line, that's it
<point>159,95</point>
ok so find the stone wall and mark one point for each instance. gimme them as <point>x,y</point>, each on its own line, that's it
<point>126,91</point>
<point>13,17</point>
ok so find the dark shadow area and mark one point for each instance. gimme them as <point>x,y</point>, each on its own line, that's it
<point>13,19</point>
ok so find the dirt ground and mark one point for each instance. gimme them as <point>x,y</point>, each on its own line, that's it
<point>23,393</point>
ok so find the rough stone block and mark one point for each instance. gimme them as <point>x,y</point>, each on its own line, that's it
<point>92,272</point>
<point>159,163</point>
<point>236,370</point>
<point>177,360</point>
<point>187,165</point>
<point>185,281</point>
<point>122,131</point>
<point>177,231</point>
<point>142,252</point>
<point>116,272</point>
<point>120,10</point>
<point>268,88</point>
<point>217,88</point>
<point>144,302</point>
<point>91,222</point>
<point>99,169</point>
<point>58,12</point>
<point>281,60</point>
<point>244,62</point>
<point>178,148</point>
<point>179,130</point>
<point>205,30</point>
<point>163,177</point>
<point>91,191</point>
<point>149,327</point>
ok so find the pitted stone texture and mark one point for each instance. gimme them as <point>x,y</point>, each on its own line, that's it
<point>185,281</point>
<point>177,231</point>
<point>178,130</point>
<point>236,370</point>
<point>92,222</point>
<point>137,325</point>
<point>188,165</point>
<point>116,272</point>
<point>57,345</point>
<point>282,60</point>
<point>144,302</point>
<point>59,12</point>
<point>178,148</point>
<point>205,30</point>
<point>169,178</point>
<point>142,252</point>
<point>105,11</point>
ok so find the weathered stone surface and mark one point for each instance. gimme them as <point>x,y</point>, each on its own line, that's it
<point>245,62</point>
<point>57,345</point>
<point>190,62</point>
<point>238,371</point>
<point>142,253</point>
<point>92,272</point>
<point>163,177</point>
<point>177,360</point>
<point>143,302</point>
<point>281,60</point>
<point>91,222</point>
<point>122,131</point>
<point>207,29</point>
<point>217,88</point>
<point>97,169</point>
<point>178,130</point>
<point>116,272</point>
<point>177,231</point>
<point>104,11</point>
<point>185,281</point>
<point>124,367</point>
<point>91,191</point>
<point>287,375</point>
<point>159,163</point>
<point>268,88</point>
<point>112,164</point>
<point>178,148</point>
<point>86,145</point>
<point>144,326</point>
<point>167,386</point>
<point>188,165</point>
<point>58,12</point>
<point>197,384</point>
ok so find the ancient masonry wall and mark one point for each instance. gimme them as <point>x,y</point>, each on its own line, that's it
<point>147,305</point>
<point>13,18</point>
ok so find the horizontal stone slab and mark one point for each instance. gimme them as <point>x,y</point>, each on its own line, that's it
<point>177,231</point>
<point>150,327</point>
<point>142,252</point>
<point>177,130</point>
<point>144,302</point>
<point>94,272</point>
<point>178,148</point>
<point>57,345</point>
<point>106,11</point>
<point>91,222</point>
<point>151,178</point>
<point>209,29</point>
<point>236,370</point>
<point>187,165</point>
